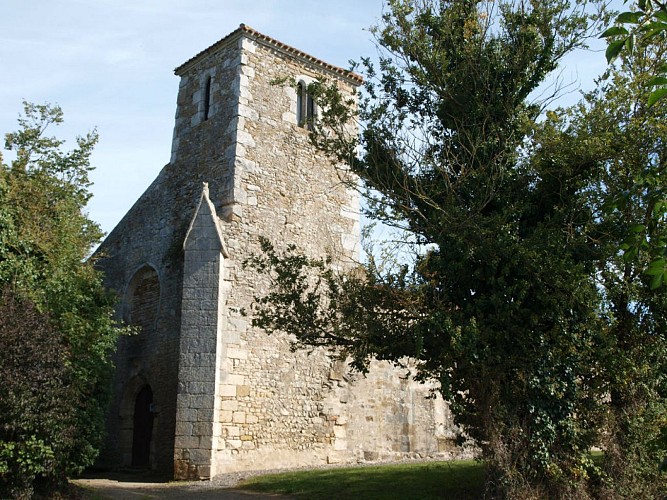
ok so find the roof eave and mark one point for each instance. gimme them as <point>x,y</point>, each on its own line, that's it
<point>245,30</point>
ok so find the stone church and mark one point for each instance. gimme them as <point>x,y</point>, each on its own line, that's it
<point>199,391</point>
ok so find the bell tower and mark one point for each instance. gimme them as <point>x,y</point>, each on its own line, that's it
<point>246,137</point>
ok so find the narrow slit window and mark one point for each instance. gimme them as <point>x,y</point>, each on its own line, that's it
<point>310,110</point>
<point>300,105</point>
<point>207,98</point>
<point>305,106</point>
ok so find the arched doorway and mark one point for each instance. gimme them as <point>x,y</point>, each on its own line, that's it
<point>142,428</point>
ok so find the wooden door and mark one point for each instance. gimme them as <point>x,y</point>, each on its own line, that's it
<point>143,428</point>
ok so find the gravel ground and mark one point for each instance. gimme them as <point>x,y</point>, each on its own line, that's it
<point>131,487</point>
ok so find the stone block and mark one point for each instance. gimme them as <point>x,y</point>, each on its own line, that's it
<point>289,117</point>
<point>202,401</point>
<point>201,387</point>
<point>188,442</point>
<point>204,471</point>
<point>340,431</point>
<point>198,361</point>
<point>251,419</point>
<point>242,391</point>
<point>200,456</point>
<point>188,374</point>
<point>245,164</point>
<point>248,45</point>
<point>234,443</point>
<point>245,138</point>
<point>204,429</point>
<point>229,404</point>
<point>340,444</point>
<point>237,353</point>
<point>233,379</point>
<point>238,417</point>
<point>226,416</point>
<point>227,390</point>
<point>200,344</point>
<point>244,92</point>
<point>248,112</point>
<point>188,414</point>
<point>205,415</point>
<point>232,336</point>
<point>183,429</point>
<point>231,431</point>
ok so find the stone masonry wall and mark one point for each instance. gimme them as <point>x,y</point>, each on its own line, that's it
<point>142,242</point>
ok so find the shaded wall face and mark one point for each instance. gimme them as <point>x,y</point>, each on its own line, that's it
<point>149,299</point>
<point>152,234</point>
<point>205,130</point>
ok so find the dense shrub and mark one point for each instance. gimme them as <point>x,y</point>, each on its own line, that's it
<point>37,398</point>
<point>56,320</point>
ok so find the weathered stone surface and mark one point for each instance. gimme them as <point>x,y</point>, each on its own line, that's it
<point>231,397</point>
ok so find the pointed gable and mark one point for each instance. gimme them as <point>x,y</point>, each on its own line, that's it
<point>205,232</point>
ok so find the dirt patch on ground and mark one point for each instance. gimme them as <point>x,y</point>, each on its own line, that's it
<point>138,486</point>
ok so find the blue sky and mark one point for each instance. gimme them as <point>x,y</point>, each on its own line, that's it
<point>109,65</point>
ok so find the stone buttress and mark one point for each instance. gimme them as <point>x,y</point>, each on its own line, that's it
<point>201,345</point>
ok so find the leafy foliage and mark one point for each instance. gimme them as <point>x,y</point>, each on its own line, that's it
<point>641,33</point>
<point>500,304</point>
<point>644,26</point>
<point>37,398</point>
<point>626,136</point>
<point>45,238</point>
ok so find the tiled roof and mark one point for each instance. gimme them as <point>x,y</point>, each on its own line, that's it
<point>245,29</point>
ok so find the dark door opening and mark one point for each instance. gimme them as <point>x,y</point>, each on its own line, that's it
<point>143,428</point>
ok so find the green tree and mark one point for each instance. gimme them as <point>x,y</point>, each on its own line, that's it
<point>618,130</point>
<point>45,239</point>
<point>642,30</point>
<point>642,26</point>
<point>500,304</point>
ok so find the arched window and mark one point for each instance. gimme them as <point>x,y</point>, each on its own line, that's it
<point>143,299</point>
<point>207,98</point>
<point>305,106</point>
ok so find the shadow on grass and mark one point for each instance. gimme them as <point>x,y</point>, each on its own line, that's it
<point>425,480</point>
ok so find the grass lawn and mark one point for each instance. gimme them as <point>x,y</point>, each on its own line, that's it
<point>456,480</point>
